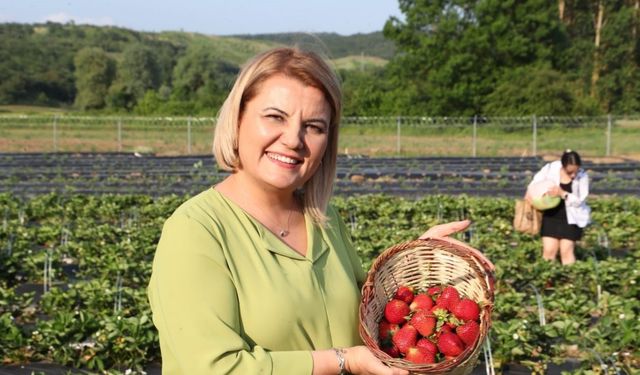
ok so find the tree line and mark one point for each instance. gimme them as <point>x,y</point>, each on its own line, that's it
<point>512,57</point>
<point>445,57</point>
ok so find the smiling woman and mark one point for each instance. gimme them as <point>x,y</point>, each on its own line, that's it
<point>258,274</point>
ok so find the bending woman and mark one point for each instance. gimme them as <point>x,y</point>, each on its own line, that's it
<point>562,225</point>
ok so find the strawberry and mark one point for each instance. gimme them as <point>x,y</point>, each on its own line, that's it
<point>404,293</point>
<point>396,311</point>
<point>424,321</point>
<point>468,332</point>
<point>443,329</point>
<point>417,354</point>
<point>392,350</point>
<point>421,302</point>
<point>386,330</point>
<point>434,290</point>
<point>450,344</point>
<point>427,344</point>
<point>448,298</point>
<point>405,338</point>
<point>466,309</point>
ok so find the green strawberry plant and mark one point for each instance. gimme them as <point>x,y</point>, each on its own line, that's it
<point>97,317</point>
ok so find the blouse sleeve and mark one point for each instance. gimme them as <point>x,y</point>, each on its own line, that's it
<point>577,198</point>
<point>542,174</point>
<point>195,308</point>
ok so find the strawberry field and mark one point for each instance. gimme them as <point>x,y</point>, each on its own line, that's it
<point>129,173</point>
<point>74,270</point>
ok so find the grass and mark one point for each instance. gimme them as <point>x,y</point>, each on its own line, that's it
<point>161,136</point>
<point>358,62</point>
<point>31,109</point>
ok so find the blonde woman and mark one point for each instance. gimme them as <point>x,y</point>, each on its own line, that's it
<point>257,274</point>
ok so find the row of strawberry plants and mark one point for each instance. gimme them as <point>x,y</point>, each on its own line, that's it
<point>92,255</point>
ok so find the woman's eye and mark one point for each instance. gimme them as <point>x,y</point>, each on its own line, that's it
<point>316,129</point>
<point>275,117</point>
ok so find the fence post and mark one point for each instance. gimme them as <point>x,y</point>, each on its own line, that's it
<point>535,135</point>
<point>398,146</point>
<point>608,151</point>
<point>475,133</point>
<point>189,135</point>
<point>55,133</point>
<point>119,134</point>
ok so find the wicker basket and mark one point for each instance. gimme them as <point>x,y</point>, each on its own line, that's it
<point>420,264</point>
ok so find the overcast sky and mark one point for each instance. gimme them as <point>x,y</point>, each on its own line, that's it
<point>215,17</point>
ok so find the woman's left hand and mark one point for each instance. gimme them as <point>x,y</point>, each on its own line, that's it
<point>555,191</point>
<point>445,230</point>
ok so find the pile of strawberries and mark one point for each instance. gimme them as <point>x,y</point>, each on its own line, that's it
<point>429,326</point>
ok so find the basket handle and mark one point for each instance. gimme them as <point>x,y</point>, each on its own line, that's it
<point>475,252</point>
<point>480,257</point>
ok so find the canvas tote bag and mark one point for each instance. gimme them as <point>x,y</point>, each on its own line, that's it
<point>527,219</point>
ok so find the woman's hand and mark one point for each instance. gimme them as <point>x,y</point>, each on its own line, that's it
<point>555,191</point>
<point>360,360</point>
<point>445,230</point>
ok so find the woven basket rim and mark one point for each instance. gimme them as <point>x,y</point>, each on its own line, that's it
<point>469,356</point>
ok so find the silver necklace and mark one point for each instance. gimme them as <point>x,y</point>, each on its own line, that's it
<point>285,231</point>
<point>282,232</point>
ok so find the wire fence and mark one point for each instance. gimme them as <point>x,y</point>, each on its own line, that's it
<point>600,136</point>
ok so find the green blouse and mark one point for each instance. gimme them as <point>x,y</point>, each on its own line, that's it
<point>228,296</point>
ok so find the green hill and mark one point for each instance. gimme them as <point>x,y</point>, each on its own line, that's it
<point>334,45</point>
<point>37,64</point>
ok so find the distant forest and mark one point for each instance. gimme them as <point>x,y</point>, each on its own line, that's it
<point>442,58</point>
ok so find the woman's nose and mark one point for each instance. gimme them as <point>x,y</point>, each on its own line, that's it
<point>292,136</point>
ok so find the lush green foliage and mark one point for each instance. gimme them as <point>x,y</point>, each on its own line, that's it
<point>472,56</point>
<point>333,45</point>
<point>145,73</point>
<point>95,314</point>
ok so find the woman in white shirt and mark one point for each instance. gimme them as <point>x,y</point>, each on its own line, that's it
<point>562,225</point>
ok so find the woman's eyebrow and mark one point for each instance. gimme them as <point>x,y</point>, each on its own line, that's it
<point>277,110</point>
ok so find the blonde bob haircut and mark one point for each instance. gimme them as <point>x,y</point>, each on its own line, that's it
<point>310,69</point>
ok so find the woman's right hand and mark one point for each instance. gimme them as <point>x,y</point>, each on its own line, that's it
<point>360,360</point>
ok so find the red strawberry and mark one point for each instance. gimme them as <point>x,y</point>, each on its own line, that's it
<point>466,309</point>
<point>417,354</point>
<point>424,321</point>
<point>386,330</point>
<point>391,350</point>
<point>427,344</point>
<point>468,332</point>
<point>448,298</point>
<point>434,290</point>
<point>450,344</point>
<point>395,311</point>
<point>404,293</point>
<point>421,302</point>
<point>405,338</point>
<point>444,329</point>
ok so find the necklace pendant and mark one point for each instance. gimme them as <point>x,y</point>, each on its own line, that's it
<point>283,233</point>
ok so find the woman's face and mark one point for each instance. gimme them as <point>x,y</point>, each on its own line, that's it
<point>571,170</point>
<point>283,134</point>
